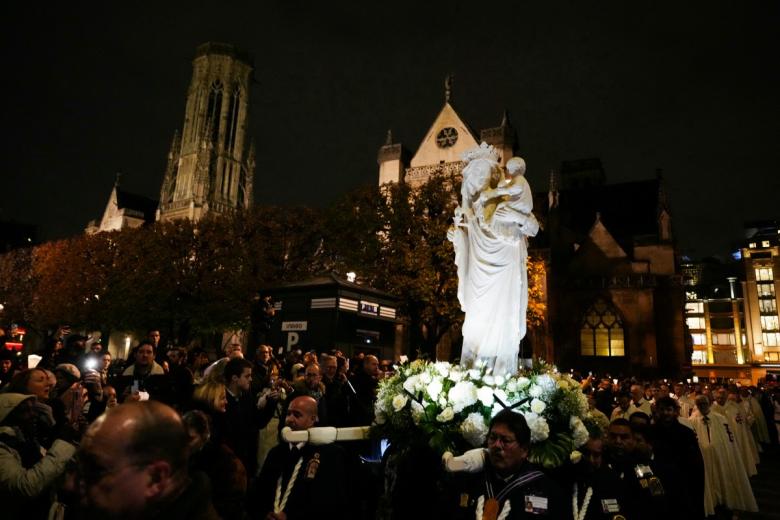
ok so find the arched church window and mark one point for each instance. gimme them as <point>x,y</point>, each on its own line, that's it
<point>601,332</point>
<point>241,188</point>
<point>232,120</point>
<point>214,109</point>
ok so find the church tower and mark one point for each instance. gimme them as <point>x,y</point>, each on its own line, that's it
<point>211,163</point>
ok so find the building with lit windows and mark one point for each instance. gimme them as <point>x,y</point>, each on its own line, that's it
<point>731,310</point>
<point>614,292</point>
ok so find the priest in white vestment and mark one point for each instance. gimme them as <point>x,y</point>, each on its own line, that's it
<point>725,480</point>
<point>748,421</point>
<point>742,437</point>
<point>760,430</point>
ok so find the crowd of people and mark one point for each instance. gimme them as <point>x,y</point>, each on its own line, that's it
<point>231,411</point>
<point>173,433</point>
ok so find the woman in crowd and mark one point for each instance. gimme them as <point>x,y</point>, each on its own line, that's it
<point>211,399</point>
<point>224,470</point>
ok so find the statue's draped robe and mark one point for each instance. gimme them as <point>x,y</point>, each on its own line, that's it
<point>492,284</point>
<point>490,295</point>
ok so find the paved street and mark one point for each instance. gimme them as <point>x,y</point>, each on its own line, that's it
<point>766,487</point>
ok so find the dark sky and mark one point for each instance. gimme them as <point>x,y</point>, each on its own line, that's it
<point>690,87</point>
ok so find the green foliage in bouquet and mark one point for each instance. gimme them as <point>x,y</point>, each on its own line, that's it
<point>449,407</point>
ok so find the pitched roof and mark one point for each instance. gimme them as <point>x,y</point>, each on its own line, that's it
<point>132,201</point>
<point>329,280</point>
<point>628,210</point>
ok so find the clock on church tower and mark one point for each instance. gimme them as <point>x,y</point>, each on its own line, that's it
<point>446,137</point>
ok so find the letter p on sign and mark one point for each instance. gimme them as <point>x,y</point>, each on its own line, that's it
<point>292,340</point>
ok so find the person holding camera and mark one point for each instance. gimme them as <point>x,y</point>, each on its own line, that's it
<point>144,379</point>
<point>28,471</point>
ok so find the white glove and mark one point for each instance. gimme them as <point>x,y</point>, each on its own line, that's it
<point>471,462</point>
<point>322,435</point>
<point>290,436</point>
<point>353,433</point>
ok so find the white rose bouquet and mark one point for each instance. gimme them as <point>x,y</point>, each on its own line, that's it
<point>449,408</point>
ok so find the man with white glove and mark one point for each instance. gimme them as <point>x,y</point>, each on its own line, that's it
<point>303,480</point>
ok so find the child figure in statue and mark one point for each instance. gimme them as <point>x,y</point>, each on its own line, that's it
<point>489,237</point>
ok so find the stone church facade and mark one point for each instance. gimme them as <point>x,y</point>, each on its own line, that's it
<point>210,165</point>
<point>441,148</point>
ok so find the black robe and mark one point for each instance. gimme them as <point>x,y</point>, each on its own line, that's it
<point>320,492</point>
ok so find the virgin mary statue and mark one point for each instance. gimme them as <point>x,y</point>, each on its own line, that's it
<point>490,231</point>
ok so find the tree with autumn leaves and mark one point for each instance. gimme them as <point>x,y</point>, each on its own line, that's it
<point>198,278</point>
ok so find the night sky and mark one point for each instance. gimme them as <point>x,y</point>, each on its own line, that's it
<point>689,87</point>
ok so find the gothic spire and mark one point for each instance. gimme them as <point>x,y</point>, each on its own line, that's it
<point>448,82</point>
<point>175,145</point>
<point>663,199</point>
<point>389,138</point>
<point>552,193</point>
<point>505,119</point>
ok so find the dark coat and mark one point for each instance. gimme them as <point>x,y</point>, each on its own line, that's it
<point>681,468</point>
<point>194,503</point>
<point>608,497</point>
<point>643,500</point>
<point>365,389</point>
<point>242,422</point>
<point>468,488</point>
<point>320,493</point>
<point>227,476</point>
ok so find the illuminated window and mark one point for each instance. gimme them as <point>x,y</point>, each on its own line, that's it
<point>770,323</point>
<point>699,357</point>
<point>765,243</point>
<point>602,331</point>
<point>771,339</point>
<point>764,274</point>
<point>752,245</point>
<point>768,306</point>
<point>695,323</point>
<point>694,307</point>
<point>690,295</point>
<point>723,339</point>
<point>699,338</point>
<point>772,356</point>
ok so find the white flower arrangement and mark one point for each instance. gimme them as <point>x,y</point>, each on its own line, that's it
<point>450,407</point>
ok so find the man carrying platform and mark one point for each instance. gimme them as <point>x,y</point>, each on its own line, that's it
<point>508,486</point>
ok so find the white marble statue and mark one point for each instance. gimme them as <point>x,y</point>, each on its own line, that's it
<point>490,234</point>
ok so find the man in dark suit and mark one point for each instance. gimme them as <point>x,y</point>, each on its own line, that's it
<point>243,418</point>
<point>302,480</point>
<point>677,450</point>
<point>509,484</point>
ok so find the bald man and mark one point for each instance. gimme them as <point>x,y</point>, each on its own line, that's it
<point>133,464</point>
<point>638,402</point>
<point>302,480</point>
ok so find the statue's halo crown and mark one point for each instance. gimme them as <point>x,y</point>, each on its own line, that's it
<point>483,151</point>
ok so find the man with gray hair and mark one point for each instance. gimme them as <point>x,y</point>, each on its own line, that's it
<point>638,402</point>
